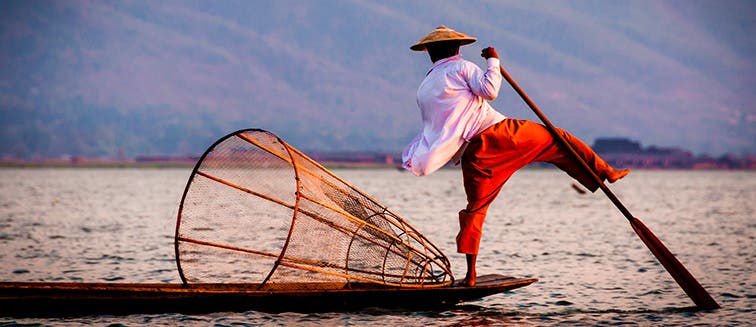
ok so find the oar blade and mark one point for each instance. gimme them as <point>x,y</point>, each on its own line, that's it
<point>682,276</point>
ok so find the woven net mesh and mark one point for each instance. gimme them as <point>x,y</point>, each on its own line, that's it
<point>256,210</point>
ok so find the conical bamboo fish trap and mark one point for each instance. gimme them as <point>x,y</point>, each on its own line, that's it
<point>256,210</point>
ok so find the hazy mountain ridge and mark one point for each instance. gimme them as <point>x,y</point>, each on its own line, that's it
<point>171,77</point>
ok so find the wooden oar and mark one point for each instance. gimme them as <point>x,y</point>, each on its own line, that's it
<point>681,275</point>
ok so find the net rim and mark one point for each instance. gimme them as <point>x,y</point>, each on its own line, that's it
<point>176,237</point>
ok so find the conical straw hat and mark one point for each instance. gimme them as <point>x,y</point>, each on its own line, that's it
<point>442,33</point>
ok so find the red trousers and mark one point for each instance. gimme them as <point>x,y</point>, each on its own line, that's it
<point>495,154</point>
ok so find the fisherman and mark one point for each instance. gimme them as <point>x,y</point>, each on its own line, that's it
<point>460,125</point>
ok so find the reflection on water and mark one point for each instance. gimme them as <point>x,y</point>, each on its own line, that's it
<point>94,225</point>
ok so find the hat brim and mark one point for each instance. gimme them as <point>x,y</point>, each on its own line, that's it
<point>422,46</point>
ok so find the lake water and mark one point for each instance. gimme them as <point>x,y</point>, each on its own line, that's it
<point>117,225</point>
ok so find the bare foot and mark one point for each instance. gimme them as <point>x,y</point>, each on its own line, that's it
<point>468,281</point>
<point>615,175</point>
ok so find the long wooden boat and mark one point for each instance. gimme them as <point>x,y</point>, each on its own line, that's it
<point>36,299</point>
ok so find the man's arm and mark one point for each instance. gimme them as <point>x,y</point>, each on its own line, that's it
<point>486,84</point>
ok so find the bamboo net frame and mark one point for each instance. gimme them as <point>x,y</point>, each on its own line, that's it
<point>257,210</point>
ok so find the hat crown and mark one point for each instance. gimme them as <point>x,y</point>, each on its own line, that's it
<point>442,33</point>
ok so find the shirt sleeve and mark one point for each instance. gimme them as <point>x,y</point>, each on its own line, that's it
<point>485,84</point>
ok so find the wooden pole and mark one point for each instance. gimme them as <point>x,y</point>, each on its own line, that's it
<point>682,276</point>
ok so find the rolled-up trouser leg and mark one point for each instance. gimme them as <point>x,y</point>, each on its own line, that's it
<point>470,231</point>
<point>555,153</point>
<point>488,162</point>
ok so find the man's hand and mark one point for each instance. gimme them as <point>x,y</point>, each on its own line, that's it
<point>489,52</point>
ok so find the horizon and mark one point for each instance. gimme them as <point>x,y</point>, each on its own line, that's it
<point>644,149</point>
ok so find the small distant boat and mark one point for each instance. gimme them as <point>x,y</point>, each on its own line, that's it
<point>261,226</point>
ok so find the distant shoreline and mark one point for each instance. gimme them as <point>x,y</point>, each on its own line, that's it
<point>327,164</point>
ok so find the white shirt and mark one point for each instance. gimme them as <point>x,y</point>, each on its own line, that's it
<point>453,101</point>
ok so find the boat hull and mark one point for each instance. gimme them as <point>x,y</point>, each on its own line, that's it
<point>56,299</point>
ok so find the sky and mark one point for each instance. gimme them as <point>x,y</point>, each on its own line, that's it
<point>172,76</point>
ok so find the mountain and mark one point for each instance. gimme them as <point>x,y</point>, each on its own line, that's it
<point>104,78</point>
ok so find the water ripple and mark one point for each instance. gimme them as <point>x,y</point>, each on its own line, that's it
<point>116,225</point>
